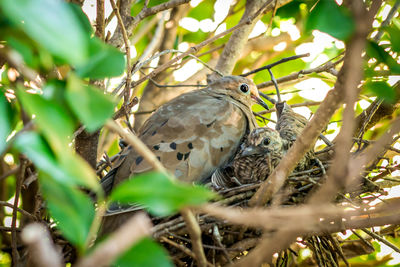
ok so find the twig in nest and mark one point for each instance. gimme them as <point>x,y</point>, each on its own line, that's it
<point>381,239</point>
<point>42,249</point>
<point>195,234</point>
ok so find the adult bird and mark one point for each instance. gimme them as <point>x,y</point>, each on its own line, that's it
<point>192,135</point>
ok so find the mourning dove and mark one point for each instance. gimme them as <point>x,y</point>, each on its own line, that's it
<point>193,134</point>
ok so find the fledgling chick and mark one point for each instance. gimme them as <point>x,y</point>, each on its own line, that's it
<point>290,125</point>
<point>258,155</point>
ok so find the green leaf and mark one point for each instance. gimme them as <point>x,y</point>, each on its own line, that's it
<point>382,90</point>
<point>51,23</point>
<point>72,209</point>
<point>160,194</point>
<point>104,61</point>
<point>6,118</point>
<point>204,10</point>
<point>394,35</point>
<point>82,18</point>
<point>51,117</point>
<point>90,104</point>
<point>328,17</point>
<point>145,253</point>
<point>68,172</point>
<point>378,52</point>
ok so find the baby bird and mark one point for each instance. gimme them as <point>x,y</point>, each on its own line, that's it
<point>262,151</point>
<point>258,155</point>
<point>290,125</point>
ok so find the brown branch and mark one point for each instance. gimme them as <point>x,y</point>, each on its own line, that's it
<point>192,50</point>
<point>303,144</point>
<point>322,68</point>
<point>42,250</point>
<point>9,173</point>
<point>238,40</point>
<point>127,52</point>
<point>137,144</point>
<point>19,178</point>
<point>381,239</point>
<point>195,235</point>
<point>100,19</point>
<point>23,212</point>
<point>118,242</point>
<point>351,78</point>
<point>130,23</point>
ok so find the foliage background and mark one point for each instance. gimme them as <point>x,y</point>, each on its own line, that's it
<point>60,68</point>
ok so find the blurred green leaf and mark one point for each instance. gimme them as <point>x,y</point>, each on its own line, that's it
<point>394,35</point>
<point>328,17</point>
<point>382,90</point>
<point>51,117</point>
<point>51,23</point>
<point>378,52</point>
<point>6,118</point>
<point>40,153</point>
<point>204,10</point>
<point>145,253</point>
<point>90,104</point>
<point>72,209</point>
<point>82,18</point>
<point>104,61</point>
<point>159,194</point>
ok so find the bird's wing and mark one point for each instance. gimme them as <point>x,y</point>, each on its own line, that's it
<point>191,135</point>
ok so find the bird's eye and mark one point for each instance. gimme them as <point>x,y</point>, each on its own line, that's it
<point>244,88</point>
<point>266,141</point>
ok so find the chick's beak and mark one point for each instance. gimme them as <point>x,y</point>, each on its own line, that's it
<point>253,150</point>
<point>256,97</point>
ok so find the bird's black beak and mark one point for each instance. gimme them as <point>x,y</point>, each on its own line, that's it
<point>260,101</point>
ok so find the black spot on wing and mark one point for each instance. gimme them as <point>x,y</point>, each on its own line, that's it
<point>172,145</point>
<point>186,156</point>
<point>221,148</point>
<point>179,156</point>
<point>190,146</point>
<point>210,124</point>
<point>159,158</point>
<point>156,147</point>
<point>153,133</point>
<point>138,160</point>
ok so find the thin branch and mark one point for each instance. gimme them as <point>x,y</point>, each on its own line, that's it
<point>193,50</point>
<point>195,235</point>
<point>131,23</point>
<point>18,179</point>
<point>381,239</point>
<point>268,67</point>
<point>386,22</point>
<point>23,212</point>
<point>100,19</point>
<point>322,68</point>
<point>41,248</point>
<point>9,173</point>
<point>137,144</point>
<point>127,52</point>
<point>118,242</point>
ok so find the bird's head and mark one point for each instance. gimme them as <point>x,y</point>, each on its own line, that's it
<point>262,141</point>
<point>239,88</point>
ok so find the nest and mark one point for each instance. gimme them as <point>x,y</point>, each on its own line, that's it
<point>224,242</point>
